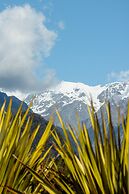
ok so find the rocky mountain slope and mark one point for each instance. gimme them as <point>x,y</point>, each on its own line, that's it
<point>15,102</point>
<point>71,98</point>
<point>37,119</point>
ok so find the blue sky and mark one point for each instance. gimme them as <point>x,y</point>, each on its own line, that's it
<point>92,44</point>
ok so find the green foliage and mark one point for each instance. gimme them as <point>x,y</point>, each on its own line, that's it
<point>16,142</point>
<point>99,167</point>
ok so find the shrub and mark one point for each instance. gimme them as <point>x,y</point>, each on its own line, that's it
<point>99,167</point>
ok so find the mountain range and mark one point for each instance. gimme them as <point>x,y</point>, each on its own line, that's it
<point>71,99</point>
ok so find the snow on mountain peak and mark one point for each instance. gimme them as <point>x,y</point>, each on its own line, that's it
<point>64,94</point>
<point>70,97</point>
<point>79,91</point>
<point>71,87</point>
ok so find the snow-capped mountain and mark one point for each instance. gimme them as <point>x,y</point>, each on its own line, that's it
<point>71,98</point>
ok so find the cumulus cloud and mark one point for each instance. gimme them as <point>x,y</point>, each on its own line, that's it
<point>25,42</point>
<point>119,76</point>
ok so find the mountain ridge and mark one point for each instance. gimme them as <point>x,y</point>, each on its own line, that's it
<point>69,98</point>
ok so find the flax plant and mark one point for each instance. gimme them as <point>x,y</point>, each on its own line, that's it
<point>82,166</point>
<point>98,167</point>
<point>16,142</point>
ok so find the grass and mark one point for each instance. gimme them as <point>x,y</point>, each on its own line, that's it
<point>99,167</point>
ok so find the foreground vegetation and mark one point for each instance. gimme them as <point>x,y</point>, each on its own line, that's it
<point>87,167</point>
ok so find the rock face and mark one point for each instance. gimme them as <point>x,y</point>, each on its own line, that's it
<point>71,98</point>
<point>15,102</point>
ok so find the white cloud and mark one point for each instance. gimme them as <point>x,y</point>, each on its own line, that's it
<point>119,76</point>
<point>24,43</point>
<point>61,25</point>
